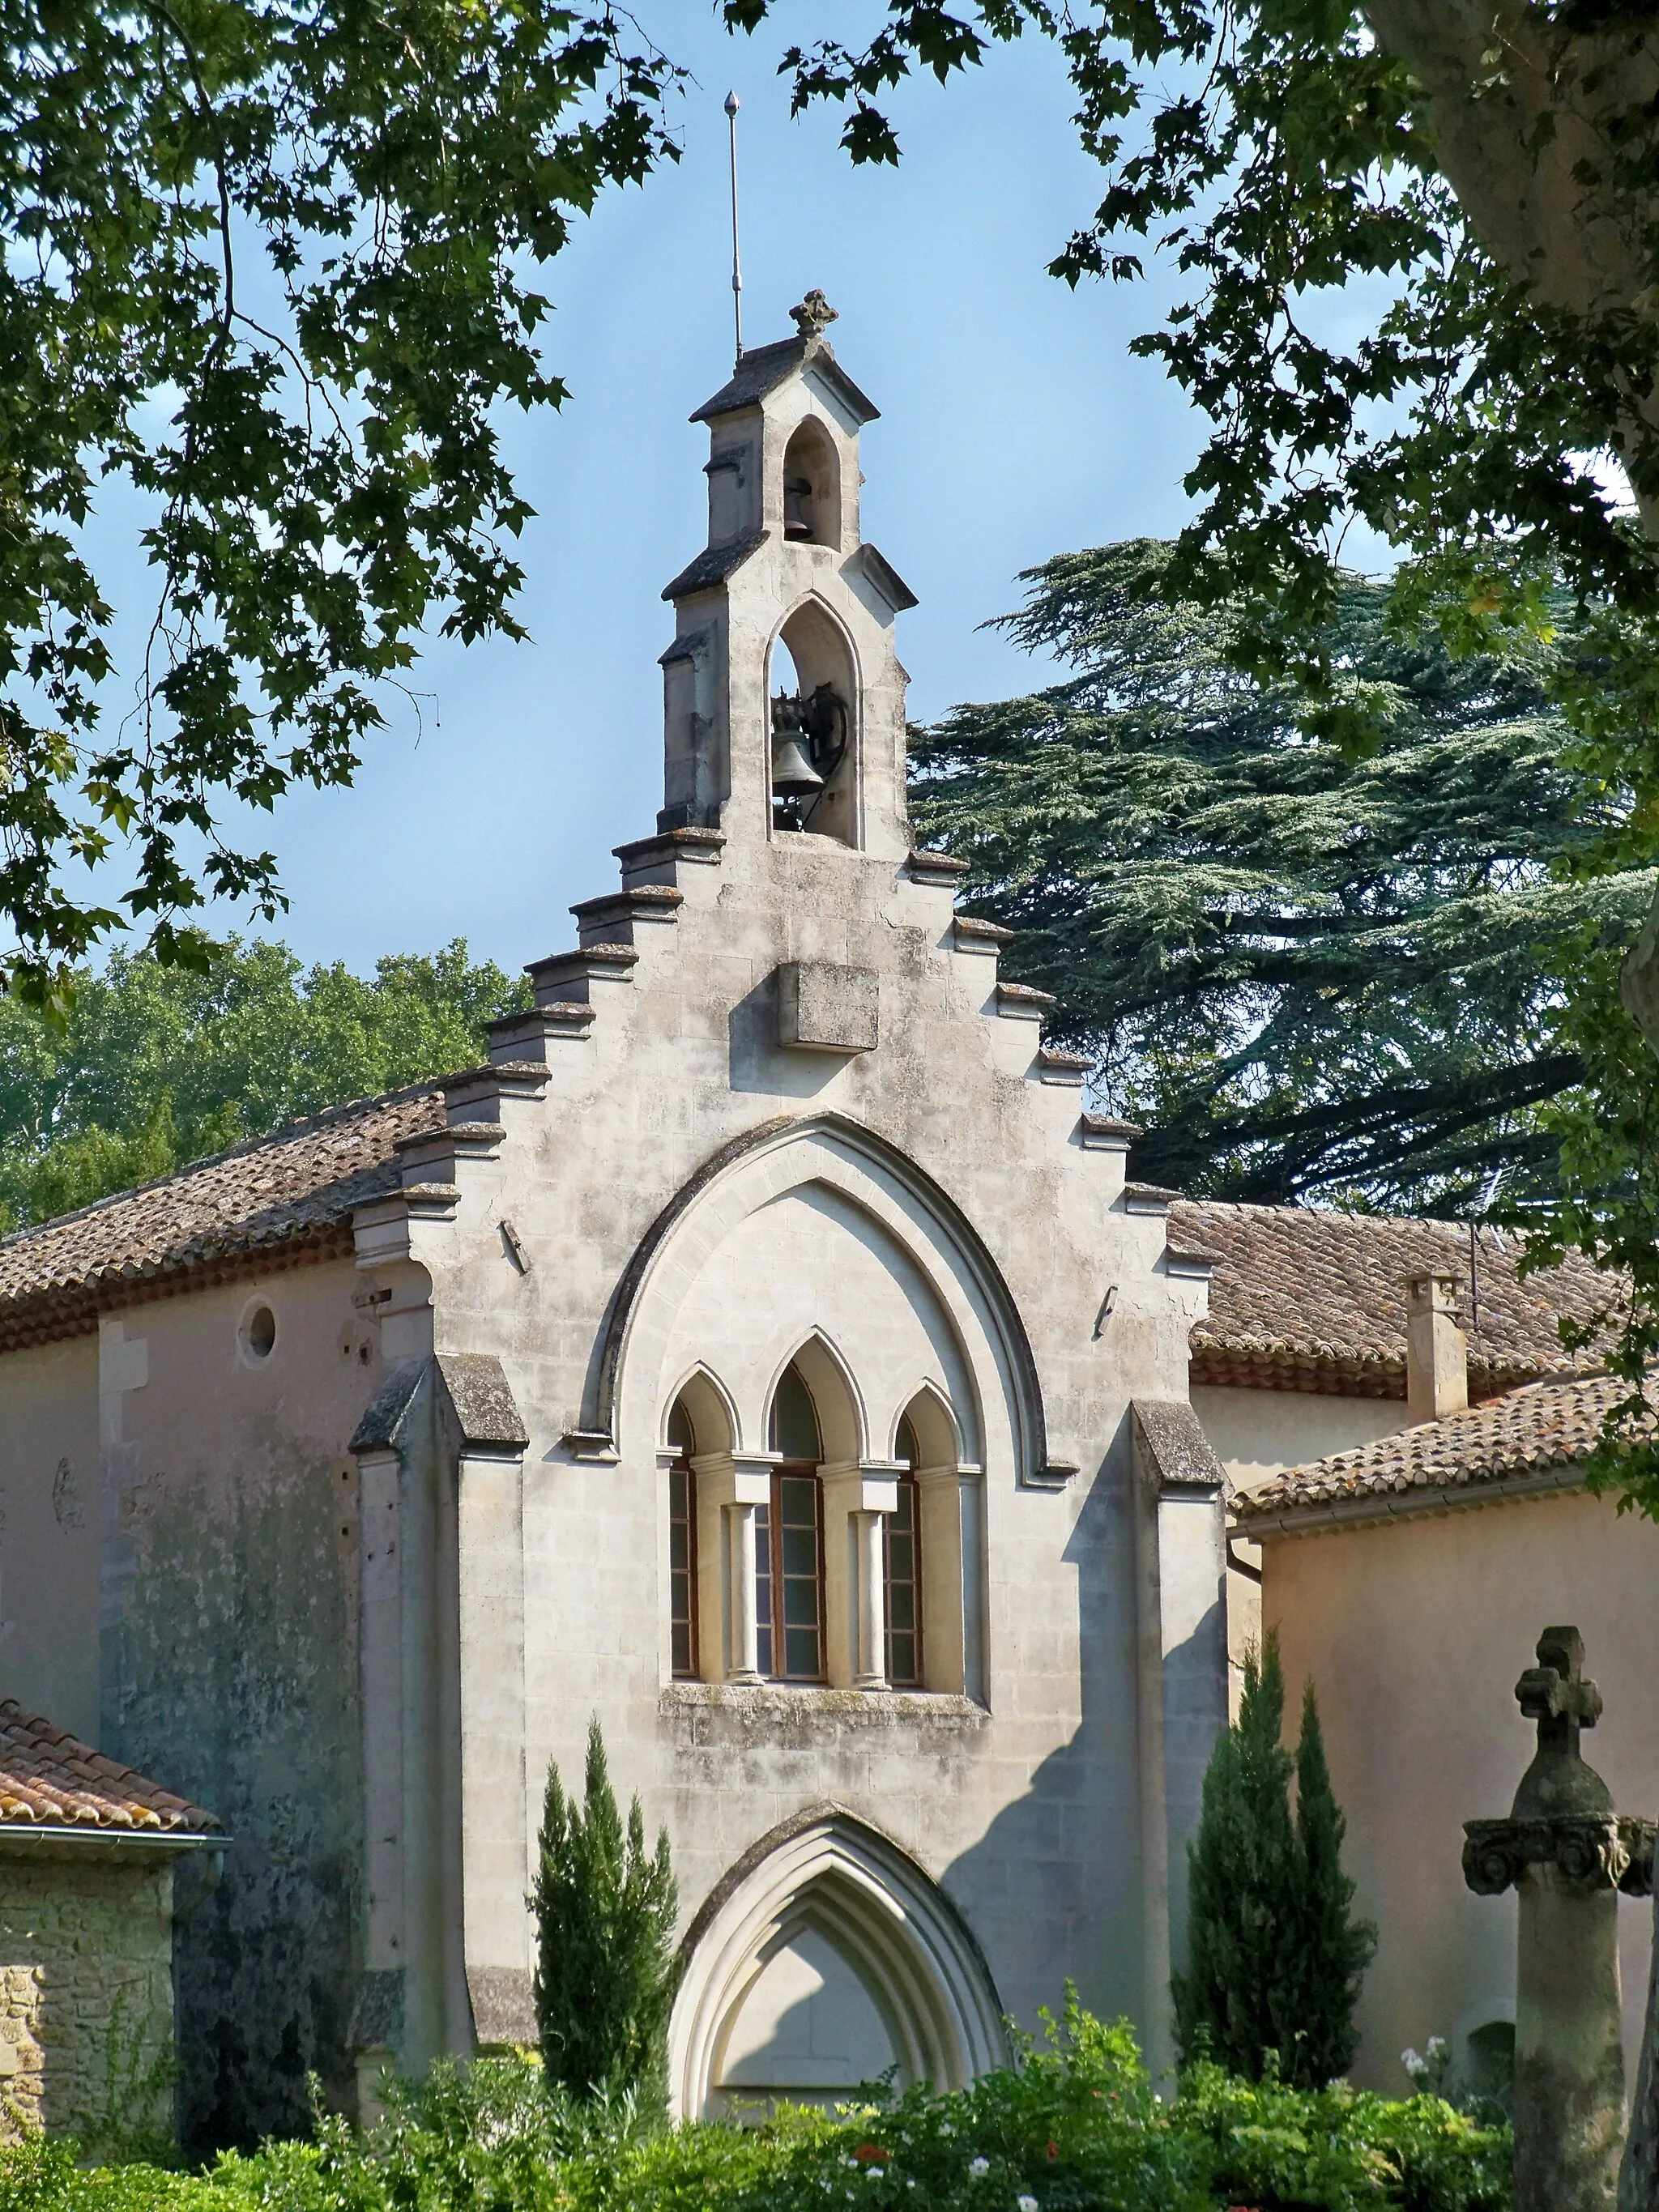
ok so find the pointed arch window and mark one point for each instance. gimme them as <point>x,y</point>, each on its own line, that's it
<point>682,1547</point>
<point>902,1567</point>
<point>789,1542</point>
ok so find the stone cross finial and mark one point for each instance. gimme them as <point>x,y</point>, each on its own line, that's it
<point>813,316</point>
<point>1557,1694</point>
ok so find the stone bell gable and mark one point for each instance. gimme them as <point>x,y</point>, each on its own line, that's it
<point>764,1350</point>
<point>776,1135</point>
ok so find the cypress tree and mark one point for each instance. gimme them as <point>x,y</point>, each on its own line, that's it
<point>1275,1957</point>
<point>605,1972</point>
<point>1333,1948</point>
<point>1233,2004</point>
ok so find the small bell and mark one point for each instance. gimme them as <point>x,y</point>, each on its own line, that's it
<point>794,779</point>
<point>793,775</point>
<point>797,501</point>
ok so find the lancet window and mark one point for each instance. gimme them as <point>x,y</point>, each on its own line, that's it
<point>806,1560</point>
<point>789,1543</point>
<point>902,1567</point>
<point>683,1546</point>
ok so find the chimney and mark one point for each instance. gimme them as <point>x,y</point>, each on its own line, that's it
<point>1437,1353</point>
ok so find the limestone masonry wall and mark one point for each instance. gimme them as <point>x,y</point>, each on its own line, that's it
<point>86,1978</point>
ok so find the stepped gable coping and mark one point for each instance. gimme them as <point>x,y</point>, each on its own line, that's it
<point>631,899</point>
<point>971,924</point>
<point>702,846</point>
<point>935,864</point>
<point>1313,1299</point>
<point>1108,1127</point>
<point>714,565</point>
<point>1025,997</point>
<point>602,956</point>
<point>271,1202</point>
<point>51,1782</point>
<point>1532,1439</point>
<point>761,369</point>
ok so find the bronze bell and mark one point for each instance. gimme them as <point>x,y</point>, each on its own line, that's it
<point>797,517</point>
<point>793,776</point>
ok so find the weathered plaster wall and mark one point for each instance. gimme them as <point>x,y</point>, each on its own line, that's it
<point>86,1994</point>
<point>1415,1634</point>
<point>1256,1435</point>
<point>1027,1810</point>
<point>228,1659</point>
<point>50,1488</point>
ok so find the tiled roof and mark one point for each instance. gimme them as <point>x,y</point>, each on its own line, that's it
<point>52,1780</point>
<point>1301,1299</point>
<point>1526,1433</point>
<point>290,1193</point>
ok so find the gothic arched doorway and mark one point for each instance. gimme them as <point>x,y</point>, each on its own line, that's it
<point>826,1957</point>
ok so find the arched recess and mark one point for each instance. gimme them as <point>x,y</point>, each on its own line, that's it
<point>836,1400</point>
<point>938,1441</point>
<point>823,716</point>
<point>626,1376</point>
<point>812,487</point>
<point>709,1408</point>
<point>831,1873</point>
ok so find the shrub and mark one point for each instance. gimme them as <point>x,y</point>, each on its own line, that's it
<point>1071,2126</point>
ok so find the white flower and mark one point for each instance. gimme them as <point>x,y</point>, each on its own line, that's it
<point>979,2166</point>
<point>1026,2203</point>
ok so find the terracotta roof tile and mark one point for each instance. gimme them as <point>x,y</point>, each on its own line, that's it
<point>51,1780</point>
<point>1540,1426</point>
<point>296,1185</point>
<point>1302,1300</point>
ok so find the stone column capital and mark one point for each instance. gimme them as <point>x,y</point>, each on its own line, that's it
<point>1589,1852</point>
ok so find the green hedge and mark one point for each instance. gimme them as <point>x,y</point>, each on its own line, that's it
<point>1073,2126</point>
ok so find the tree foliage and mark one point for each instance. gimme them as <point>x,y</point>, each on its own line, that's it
<point>1307,974</point>
<point>605,1972</point>
<point>1274,1955</point>
<point>156,1064</point>
<point>270,264</point>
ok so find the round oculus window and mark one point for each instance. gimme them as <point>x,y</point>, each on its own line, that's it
<point>258,1331</point>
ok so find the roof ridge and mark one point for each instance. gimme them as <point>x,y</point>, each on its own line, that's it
<point>1335,1213</point>
<point>303,1125</point>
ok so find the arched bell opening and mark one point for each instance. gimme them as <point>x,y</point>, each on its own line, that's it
<point>814,733</point>
<point>811,488</point>
<point>827,1957</point>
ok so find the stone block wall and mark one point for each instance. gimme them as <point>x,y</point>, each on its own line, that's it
<point>85,1994</point>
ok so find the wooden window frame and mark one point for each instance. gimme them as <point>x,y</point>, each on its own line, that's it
<point>919,1680</point>
<point>691,1671</point>
<point>795,1470</point>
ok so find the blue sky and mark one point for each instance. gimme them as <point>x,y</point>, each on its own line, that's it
<point>1014,425</point>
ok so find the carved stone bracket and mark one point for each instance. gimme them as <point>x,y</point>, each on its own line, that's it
<point>1613,1850</point>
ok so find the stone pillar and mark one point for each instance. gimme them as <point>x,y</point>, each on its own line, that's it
<point>870,1669</point>
<point>1567,1854</point>
<point>743,1652</point>
<point>856,1501</point>
<point>728,1491</point>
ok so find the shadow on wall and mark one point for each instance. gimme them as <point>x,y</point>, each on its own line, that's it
<point>1064,1856</point>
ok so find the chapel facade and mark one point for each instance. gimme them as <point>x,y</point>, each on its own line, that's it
<point>764,1352</point>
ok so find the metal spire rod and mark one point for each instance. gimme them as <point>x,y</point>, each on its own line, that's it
<point>736,268</point>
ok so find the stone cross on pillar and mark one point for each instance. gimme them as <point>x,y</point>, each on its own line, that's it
<point>1568,1854</point>
<point>1560,1696</point>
